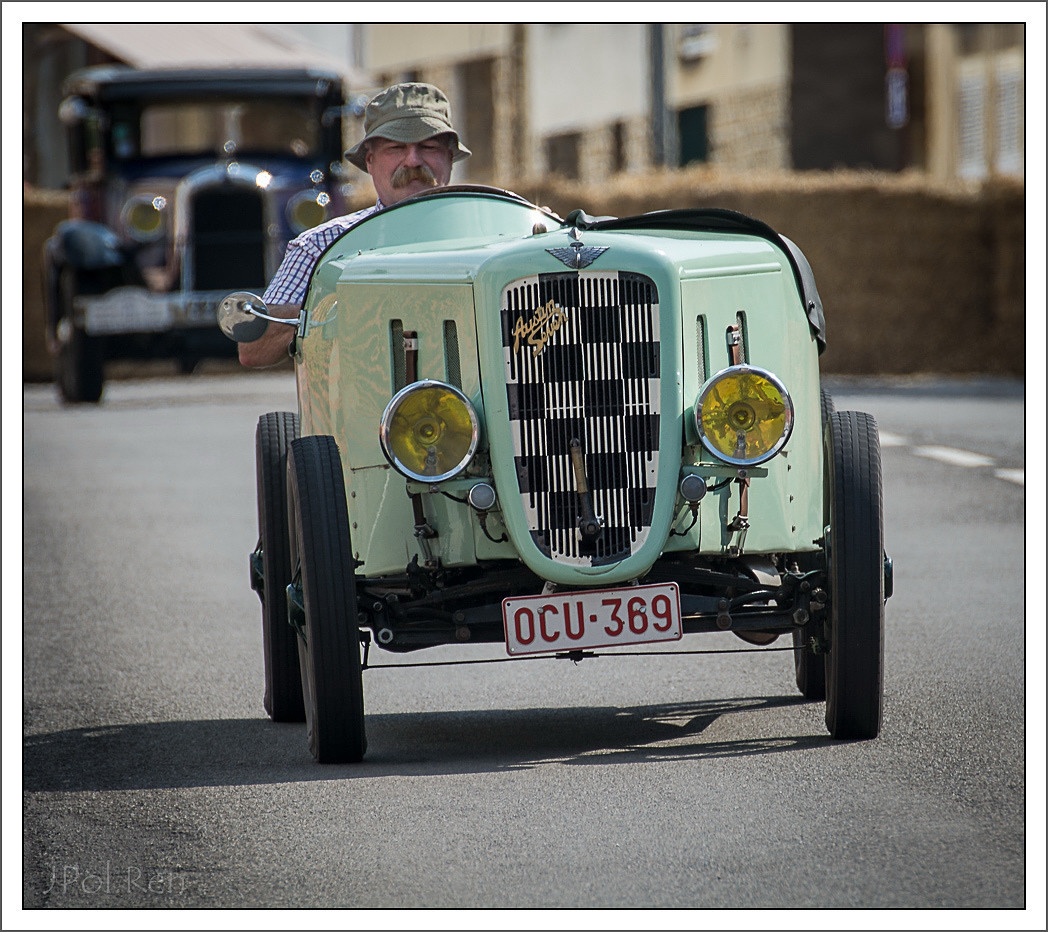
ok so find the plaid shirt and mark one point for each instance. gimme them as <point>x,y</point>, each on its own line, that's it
<point>291,280</point>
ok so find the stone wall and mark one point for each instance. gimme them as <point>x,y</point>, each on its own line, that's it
<point>749,129</point>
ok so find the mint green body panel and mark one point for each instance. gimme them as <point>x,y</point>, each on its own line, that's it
<point>415,266</point>
<point>786,507</point>
<point>348,361</point>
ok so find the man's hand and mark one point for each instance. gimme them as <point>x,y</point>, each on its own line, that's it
<point>270,348</point>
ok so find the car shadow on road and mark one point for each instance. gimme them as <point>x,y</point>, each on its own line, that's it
<point>236,752</point>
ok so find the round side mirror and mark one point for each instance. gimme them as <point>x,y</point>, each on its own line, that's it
<point>237,316</point>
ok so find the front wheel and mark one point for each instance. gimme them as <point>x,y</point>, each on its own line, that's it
<point>80,373</point>
<point>855,664</point>
<point>323,601</point>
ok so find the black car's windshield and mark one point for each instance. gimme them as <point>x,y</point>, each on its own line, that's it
<point>168,128</point>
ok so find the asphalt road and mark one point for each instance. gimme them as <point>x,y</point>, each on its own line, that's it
<point>153,779</point>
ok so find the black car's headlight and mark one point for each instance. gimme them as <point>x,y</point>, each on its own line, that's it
<point>143,217</point>
<point>307,209</point>
<point>744,415</point>
<point>429,431</point>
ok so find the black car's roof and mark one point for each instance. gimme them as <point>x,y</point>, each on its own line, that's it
<point>115,82</point>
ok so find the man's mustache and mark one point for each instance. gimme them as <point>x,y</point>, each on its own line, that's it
<point>406,174</point>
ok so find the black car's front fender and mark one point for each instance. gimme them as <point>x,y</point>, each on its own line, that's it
<point>84,245</point>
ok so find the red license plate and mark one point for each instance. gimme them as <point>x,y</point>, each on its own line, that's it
<point>563,621</point>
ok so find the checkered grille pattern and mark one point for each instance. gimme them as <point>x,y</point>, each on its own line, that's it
<point>582,363</point>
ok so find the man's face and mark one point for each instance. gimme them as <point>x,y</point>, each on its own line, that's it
<point>400,170</point>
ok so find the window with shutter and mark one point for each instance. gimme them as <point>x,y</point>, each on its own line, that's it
<point>971,162</point>
<point>1009,119</point>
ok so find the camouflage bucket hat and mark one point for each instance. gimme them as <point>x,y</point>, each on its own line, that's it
<point>407,113</point>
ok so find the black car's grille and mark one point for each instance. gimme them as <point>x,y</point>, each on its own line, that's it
<point>582,363</point>
<point>227,239</point>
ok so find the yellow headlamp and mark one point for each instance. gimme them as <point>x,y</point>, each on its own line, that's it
<point>307,209</point>
<point>744,415</point>
<point>429,431</point>
<point>143,217</point>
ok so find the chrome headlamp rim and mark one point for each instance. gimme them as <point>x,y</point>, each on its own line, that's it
<point>745,369</point>
<point>150,202</point>
<point>385,424</point>
<point>319,198</point>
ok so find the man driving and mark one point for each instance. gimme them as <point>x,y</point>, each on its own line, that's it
<point>408,148</point>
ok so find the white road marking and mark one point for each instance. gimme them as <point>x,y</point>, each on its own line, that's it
<point>1018,476</point>
<point>956,457</point>
<point>953,456</point>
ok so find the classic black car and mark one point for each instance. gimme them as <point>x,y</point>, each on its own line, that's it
<point>185,184</point>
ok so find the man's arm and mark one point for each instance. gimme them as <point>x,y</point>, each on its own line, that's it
<point>287,291</point>
<point>270,348</point>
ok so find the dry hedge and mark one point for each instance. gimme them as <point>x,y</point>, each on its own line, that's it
<point>916,276</point>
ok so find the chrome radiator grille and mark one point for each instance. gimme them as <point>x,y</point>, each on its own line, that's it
<point>582,363</point>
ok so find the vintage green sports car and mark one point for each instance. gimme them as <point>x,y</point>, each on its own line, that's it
<point>563,436</point>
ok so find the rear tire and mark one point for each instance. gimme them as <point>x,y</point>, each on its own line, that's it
<point>322,565</point>
<point>283,693</point>
<point>855,663</point>
<point>827,406</point>
<point>810,667</point>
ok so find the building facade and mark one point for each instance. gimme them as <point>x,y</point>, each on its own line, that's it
<point>590,100</point>
<point>976,98</point>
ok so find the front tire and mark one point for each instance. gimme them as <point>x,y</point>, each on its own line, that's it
<point>283,692</point>
<point>855,664</point>
<point>80,373</point>
<point>322,567</point>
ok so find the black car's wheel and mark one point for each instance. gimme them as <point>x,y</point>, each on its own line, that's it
<point>809,666</point>
<point>324,601</point>
<point>283,695</point>
<point>855,663</point>
<point>79,367</point>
